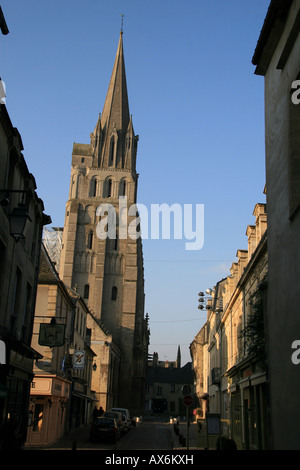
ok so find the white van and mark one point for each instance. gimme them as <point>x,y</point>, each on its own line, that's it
<point>126,416</point>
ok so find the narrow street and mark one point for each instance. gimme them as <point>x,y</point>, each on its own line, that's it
<point>145,436</point>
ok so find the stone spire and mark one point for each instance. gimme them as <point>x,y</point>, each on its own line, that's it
<point>115,122</point>
<point>178,358</point>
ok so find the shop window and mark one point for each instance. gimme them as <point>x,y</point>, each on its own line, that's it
<point>38,417</point>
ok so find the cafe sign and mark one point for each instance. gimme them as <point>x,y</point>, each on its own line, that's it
<point>78,359</point>
<point>52,335</point>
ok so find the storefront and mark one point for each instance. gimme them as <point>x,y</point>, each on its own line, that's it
<point>15,382</point>
<point>81,406</point>
<point>249,412</point>
<point>49,397</point>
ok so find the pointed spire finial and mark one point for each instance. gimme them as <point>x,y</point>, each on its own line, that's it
<point>122,24</point>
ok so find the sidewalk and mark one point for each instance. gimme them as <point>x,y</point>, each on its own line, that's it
<point>73,440</point>
<point>192,443</point>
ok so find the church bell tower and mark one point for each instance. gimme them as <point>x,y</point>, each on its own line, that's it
<point>107,271</point>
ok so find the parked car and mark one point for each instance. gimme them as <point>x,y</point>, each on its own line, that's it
<point>118,416</point>
<point>126,417</point>
<point>105,428</point>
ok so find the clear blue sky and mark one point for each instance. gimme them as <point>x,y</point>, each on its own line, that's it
<point>197,107</point>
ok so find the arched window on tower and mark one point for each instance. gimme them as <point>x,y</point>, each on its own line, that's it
<point>109,188</point>
<point>122,188</point>
<point>93,188</point>
<point>114,293</point>
<point>90,240</point>
<point>86,292</point>
<point>116,241</point>
<point>79,186</point>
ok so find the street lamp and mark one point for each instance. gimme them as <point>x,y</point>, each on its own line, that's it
<point>17,219</point>
<point>202,298</point>
<point>210,291</point>
<point>19,216</point>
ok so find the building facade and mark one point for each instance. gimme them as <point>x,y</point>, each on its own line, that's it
<point>61,398</point>
<point>99,258</point>
<point>19,259</point>
<point>277,59</point>
<point>165,381</point>
<point>229,355</point>
<point>199,354</point>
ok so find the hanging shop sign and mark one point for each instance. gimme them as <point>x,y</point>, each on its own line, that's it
<point>78,359</point>
<point>52,335</point>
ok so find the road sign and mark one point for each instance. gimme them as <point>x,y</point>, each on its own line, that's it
<point>188,400</point>
<point>186,390</point>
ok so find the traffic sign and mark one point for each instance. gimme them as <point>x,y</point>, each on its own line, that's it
<point>186,390</point>
<point>188,400</point>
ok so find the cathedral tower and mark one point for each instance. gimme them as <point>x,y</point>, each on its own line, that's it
<point>106,266</point>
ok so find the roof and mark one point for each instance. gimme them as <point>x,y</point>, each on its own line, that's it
<point>183,375</point>
<point>116,107</point>
<point>115,118</point>
<point>270,34</point>
<point>47,272</point>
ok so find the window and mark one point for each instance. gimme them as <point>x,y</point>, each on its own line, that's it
<point>79,186</point>
<point>90,240</point>
<point>77,319</point>
<point>93,190</point>
<point>294,157</point>
<point>26,321</point>
<point>16,299</point>
<point>38,417</point>
<point>116,241</point>
<point>111,151</point>
<point>122,191</point>
<point>2,262</point>
<point>159,391</point>
<point>86,291</point>
<point>109,188</point>
<point>114,293</point>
